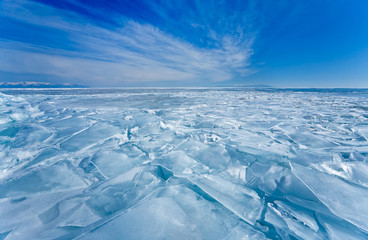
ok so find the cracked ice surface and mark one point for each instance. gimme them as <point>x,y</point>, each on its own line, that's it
<point>183,164</point>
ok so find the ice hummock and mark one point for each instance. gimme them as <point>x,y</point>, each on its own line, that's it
<point>183,164</point>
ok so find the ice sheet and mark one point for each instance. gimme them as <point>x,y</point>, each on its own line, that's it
<point>183,164</point>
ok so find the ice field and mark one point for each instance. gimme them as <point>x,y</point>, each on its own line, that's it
<point>183,164</point>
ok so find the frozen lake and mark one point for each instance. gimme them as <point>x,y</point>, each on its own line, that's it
<point>183,164</point>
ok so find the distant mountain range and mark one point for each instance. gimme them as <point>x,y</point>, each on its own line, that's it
<point>39,85</point>
<point>73,85</point>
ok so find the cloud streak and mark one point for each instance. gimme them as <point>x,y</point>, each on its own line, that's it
<point>134,53</point>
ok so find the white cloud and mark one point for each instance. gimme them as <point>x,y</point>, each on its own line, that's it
<point>134,53</point>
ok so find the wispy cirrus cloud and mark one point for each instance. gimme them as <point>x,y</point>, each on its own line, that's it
<point>68,45</point>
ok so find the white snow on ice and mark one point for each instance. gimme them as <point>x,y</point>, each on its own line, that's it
<point>183,164</point>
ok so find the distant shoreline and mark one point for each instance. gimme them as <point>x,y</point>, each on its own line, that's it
<point>189,88</point>
<point>27,85</point>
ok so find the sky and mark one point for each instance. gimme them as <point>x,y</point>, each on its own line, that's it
<point>185,43</point>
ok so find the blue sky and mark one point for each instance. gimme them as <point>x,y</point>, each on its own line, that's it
<point>117,43</point>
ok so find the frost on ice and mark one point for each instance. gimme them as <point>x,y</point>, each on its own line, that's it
<point>183,164</point>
